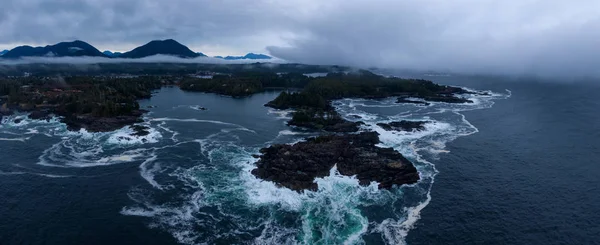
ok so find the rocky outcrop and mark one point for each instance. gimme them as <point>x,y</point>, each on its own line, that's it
<point>40,115</point>
<point>446,98</point>
<point>140,130</point>
<point>405,100</point>
<point>101,124</point>
<point>296,166</point>
<point>403,126</point>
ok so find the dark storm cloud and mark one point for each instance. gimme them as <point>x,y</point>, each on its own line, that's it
<point>481,36</point>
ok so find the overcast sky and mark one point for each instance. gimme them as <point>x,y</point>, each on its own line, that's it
<point>498,36</point>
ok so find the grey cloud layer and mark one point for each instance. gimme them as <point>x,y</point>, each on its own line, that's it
<point>133,22</point>
<point>535,37</point>
<point>511,36</point>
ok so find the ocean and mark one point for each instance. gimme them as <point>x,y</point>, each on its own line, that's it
<point>518,166</point>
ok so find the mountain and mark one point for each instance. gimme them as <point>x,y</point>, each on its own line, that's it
<point>166,47</point>
<point>201,54</point>
<point>63,49</point>
<point>3,52</point>
<point>249,56</point>
<point>111,54</point>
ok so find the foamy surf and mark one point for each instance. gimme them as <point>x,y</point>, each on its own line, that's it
<point>218,187</point>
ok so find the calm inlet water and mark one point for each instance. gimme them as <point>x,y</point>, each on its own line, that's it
<point>518,166</point>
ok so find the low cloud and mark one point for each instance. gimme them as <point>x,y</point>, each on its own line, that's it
<point>149,59</point>
<point>468,36</point>
<point>551,37</point>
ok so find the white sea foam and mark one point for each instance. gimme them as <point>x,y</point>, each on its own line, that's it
<point>201,121</point>
<point>149,173</point>
<point>125,136</point>
<point>332,213</point>
<point>21,139</point>
<point>197,108</point>
<point>281,114</point>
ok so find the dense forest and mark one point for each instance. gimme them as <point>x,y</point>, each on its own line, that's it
<point>313,108</point>
<point>82,99</point>
<point>246,83</point>
<point>100,97</point>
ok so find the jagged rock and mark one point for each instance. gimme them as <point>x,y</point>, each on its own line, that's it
<point>40,115</point>
<point>101,124</point>
<point>139,130</point>
<point>403,126</point>
<point>296,166</point>
<point>405,100</point>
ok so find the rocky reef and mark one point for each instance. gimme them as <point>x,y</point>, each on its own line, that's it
<point>403,126</point>
<point>296,166</point>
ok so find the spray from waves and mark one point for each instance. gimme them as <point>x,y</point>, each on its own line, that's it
<point>281,114</point>
<point>446,124</point>
<point>84,149</point>
<point>80,149</point>
<point>218,200</point>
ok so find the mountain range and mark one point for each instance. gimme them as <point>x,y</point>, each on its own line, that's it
<point>80,48</point>
<point>71,49</point>
<point>249,56</point>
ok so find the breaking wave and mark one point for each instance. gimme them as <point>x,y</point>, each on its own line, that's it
<point>215,199</point>
<point>201,190</point>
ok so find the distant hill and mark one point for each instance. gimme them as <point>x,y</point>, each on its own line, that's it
<point>165,47</point>
<point>201,54</point>
<point>111,54</point>
<point>63,49</point>
<point>3,52</point>
<point>249,56</point>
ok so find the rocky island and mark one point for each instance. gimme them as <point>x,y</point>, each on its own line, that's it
<point>100,103</point>
<point>403,126</point>
<point>296,166</point>
<point>97,104</point>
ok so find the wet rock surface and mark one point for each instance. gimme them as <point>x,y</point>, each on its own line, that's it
<point>101,124</point>
<point>140,131</point>
<point>296,166</point>
<point>403,126</point>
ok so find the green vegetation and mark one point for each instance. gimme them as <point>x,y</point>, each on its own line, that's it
<point>287,100</point>
<point>223,84</point>
<point>313,103</point>
<point>99,97</point>
<point>244,83</point>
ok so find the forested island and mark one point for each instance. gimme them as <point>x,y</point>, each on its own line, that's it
<point>97,104</point>
<point>105,101</point>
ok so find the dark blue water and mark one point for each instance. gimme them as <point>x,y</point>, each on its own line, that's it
<point>508,170</point>
<point>530,176</point>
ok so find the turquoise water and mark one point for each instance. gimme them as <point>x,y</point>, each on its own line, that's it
<point>189,181</point>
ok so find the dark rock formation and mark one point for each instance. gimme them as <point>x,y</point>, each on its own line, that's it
<point>446,99</point>
<point>329,121</point>
<point>101,124</point>
<point>403,125</point>
<point>405,100</point>
<point>296,166</point>
<point>139,130</point>
<point>40,115</point>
